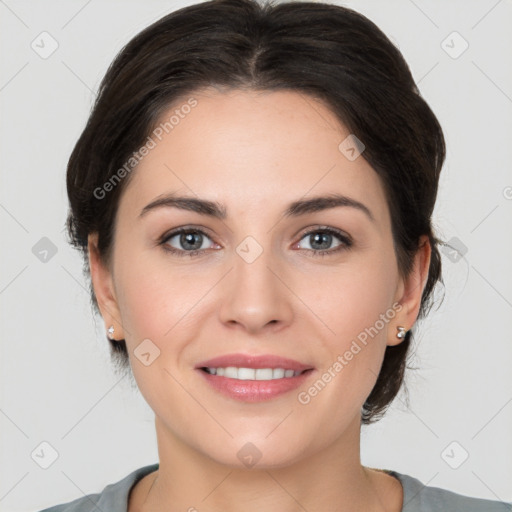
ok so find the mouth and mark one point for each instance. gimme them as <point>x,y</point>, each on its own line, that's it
<point>253,378</point>
<point>232,372</point>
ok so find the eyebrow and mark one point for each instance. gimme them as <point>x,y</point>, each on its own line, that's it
<point>218,211</point>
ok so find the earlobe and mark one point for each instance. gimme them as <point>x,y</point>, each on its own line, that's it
<point>103,287</point>
<point>398,336</point>
<point>411,291</point>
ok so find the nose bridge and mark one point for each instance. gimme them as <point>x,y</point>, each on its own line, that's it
<point>253,262</point>
<point>256,296</point>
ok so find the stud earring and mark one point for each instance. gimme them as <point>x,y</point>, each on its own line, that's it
<point>401,332</point>
<point>110,331</point>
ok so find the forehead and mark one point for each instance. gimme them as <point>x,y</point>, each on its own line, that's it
<point>259,148</point>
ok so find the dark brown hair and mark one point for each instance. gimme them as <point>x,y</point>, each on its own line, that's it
<point>326,51</point>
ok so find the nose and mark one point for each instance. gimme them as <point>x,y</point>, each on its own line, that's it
<point>256,297</point>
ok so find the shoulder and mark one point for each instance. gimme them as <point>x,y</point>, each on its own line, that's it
<point>422,498</point>
<point>113,498</point>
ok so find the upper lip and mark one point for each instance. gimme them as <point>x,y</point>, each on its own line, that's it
<point>253,361</point>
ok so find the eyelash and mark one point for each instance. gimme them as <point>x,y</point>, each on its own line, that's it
<point>346,242</point>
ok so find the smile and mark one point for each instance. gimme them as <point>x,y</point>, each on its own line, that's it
<point>253,377</point>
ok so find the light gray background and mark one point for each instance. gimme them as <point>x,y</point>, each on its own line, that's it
<point>57,383</point>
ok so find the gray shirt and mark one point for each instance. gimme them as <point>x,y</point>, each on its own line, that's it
<point>417,497</point>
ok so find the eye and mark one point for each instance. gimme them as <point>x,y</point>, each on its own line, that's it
<point>321,239</point>
<point>193,241</point>
<point>185,241</point>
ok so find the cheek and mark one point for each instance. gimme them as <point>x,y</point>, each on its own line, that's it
<point>140,304</point>
<point>154,296</point>
<point>356,309</point>
<point>155,305</point>
<point>352,298</point>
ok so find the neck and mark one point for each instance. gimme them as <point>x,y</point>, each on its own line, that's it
<point>330,478</point>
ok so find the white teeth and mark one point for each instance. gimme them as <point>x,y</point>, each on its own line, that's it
<point>231,372</point>
<point>253,373</point>
<point>279,373</point>
<point>263,374</point>
<point>246,373</point>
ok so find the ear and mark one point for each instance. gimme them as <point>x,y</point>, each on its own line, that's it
<point>103,286</point>
<point>410,290</point>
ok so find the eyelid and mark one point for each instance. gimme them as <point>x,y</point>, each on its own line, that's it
<point>303,232</point>
<point>171,233</point>
<point>318,227</point>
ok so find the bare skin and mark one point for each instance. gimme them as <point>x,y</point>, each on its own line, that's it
<point>387,488</point>
<point>255,153</point>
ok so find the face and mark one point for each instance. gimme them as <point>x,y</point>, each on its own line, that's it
<point>318,286</point>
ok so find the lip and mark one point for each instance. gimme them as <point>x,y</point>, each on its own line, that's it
<point>254,390</point>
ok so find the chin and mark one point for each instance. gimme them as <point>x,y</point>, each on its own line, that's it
<point>258,453</point>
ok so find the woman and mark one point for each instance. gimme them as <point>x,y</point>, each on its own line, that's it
<point>252,195</point>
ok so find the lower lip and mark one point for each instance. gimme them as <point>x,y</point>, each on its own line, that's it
<point>254,390</point>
